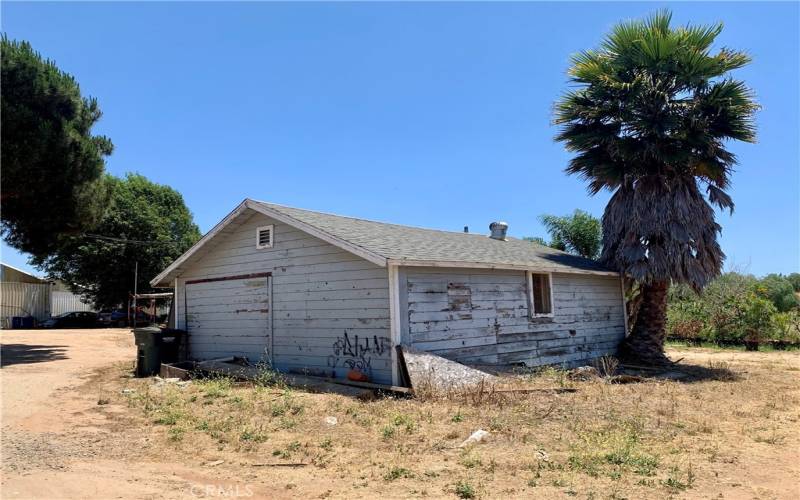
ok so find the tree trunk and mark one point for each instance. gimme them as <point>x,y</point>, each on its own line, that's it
<point>645,344</point>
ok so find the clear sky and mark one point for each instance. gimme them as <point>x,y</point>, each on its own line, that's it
<point>427,114</point>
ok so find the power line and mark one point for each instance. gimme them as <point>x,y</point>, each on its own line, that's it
<point>127,241</point>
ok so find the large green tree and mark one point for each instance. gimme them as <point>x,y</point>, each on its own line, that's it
<point>650,121</point>
<point>145,222</point>
<point>52,172</point>
<point>779,290</point>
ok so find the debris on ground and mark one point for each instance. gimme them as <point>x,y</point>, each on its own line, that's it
<point>159,382</point>
<point>182,370</point>
<point>357,376</point>
<point>128,391</point>
<point>542,456</point>
<point>280,464</point>
<point>313,384</point>
<point>431,372</point>
<point>583,373</point>
<point>626,379</point>
<point>475,437</point>
<point>529,390</point>
<point>331,420</point>
<point>214,463</point>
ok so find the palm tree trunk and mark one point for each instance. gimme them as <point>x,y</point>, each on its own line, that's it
<point>645,344</point>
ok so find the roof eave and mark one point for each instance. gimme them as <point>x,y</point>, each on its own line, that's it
<point>164,278</point>
<point>362,252</point>
<point>498,266</point>
<point>159,281</point>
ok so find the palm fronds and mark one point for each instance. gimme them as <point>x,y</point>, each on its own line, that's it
<point>650,119</point>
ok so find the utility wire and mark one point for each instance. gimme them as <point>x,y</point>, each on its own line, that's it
<point>126,241</point>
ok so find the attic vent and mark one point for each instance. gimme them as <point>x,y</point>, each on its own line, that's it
<point>498,230</point>
<point>264,237</point>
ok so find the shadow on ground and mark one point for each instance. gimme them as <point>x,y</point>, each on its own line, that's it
<point>17,354</point>
<point>687,373</point>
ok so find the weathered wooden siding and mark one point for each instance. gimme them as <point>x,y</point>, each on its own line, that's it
<point>482,317</point>
<point>239,309</point>
<point>330,308</point>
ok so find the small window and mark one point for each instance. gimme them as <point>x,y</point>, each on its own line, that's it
<point>540,294</point>
<point>264,237</point>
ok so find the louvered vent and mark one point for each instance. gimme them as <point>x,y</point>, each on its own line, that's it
<point>264,237</point>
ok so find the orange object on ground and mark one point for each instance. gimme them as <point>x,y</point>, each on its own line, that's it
<point>357,376</point>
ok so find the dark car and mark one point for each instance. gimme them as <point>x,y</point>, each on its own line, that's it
<point>116,317</point>
<point>119,318</point>
<point>76,319</point>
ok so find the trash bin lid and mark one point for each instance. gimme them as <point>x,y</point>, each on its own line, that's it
<point>149,330</point>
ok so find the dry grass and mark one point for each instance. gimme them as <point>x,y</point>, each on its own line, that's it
<point>654,439</point>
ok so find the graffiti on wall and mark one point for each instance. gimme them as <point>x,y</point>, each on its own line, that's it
<point>356,352</point>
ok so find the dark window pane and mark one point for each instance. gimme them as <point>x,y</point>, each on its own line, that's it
<point>541,294</point>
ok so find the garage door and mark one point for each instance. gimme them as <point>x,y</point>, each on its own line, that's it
<point>230,317</point>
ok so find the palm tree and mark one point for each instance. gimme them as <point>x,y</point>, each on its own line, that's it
<point>579,233</point>
<point>649,121</point>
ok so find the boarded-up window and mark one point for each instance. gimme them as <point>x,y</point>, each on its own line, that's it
<point>540,296</point>
<point>459,297</point>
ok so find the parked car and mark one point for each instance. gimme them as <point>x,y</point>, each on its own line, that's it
<point>117,317</point>
<point>75,319</point>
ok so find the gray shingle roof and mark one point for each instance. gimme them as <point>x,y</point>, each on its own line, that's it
<point>405,243</point>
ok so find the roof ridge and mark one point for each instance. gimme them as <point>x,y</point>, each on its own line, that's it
<point>376,221</point>
<point>22,271</point>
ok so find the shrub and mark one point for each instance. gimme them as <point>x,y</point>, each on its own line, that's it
<point>734,309</point>
<point>786,327</point>
<point>755,318</point>
<point>688,320</point>
<point>779,290</point>
<point>463,489</point>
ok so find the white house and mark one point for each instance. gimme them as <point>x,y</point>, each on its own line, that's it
<point>326,293</point>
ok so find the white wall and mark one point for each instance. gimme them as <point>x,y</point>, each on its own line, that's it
<point>330,308</point>
<point>494,326</point>
<point>62,302</point>
<point>24,299</point>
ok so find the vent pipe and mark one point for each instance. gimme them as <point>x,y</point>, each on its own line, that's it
<point>498,230</point>
<point>466,229</point>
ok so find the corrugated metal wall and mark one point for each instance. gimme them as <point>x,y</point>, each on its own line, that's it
<point>67,302</point>
<point>24,299</point>
<point>37,300</point>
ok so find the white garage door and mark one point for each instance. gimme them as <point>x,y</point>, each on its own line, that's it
<point>230,317</point>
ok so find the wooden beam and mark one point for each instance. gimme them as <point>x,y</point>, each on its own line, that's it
<point>230,278</point>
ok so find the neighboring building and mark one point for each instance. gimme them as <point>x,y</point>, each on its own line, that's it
<point>326,293</point>
<point>25,295</point>
<point>10,274</point>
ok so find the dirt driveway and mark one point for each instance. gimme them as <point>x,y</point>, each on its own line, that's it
<point>57,441</point>
<point>38,365</point>
<point>72,428</point>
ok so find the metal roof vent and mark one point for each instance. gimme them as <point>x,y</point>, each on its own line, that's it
<point>498,230</point>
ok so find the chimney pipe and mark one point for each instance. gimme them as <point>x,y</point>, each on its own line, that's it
<point>466,229</point>
<point>498,230</point>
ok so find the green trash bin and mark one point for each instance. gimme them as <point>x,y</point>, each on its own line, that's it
<point>148,351</point>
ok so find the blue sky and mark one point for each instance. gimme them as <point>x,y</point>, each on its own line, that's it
<point>427,114</point>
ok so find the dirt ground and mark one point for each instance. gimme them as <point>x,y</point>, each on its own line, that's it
<point>76,425</point>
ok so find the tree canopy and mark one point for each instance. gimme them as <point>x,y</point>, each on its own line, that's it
<point>779,290</point>
<point>579,233</point>
<point>52,174</point>
<point>145,222</point>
